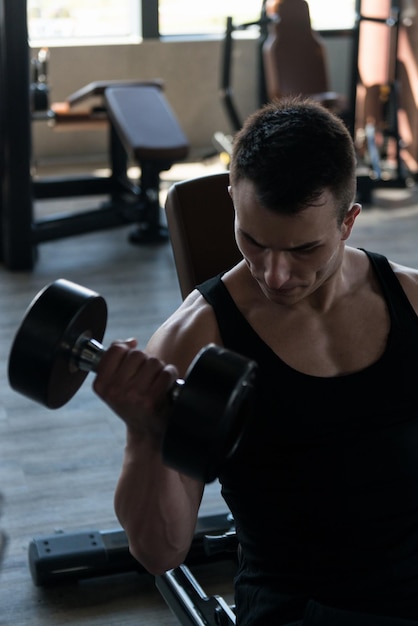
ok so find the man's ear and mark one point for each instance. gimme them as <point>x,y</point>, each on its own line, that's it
<point>349,220</point>
<point>230,190</point>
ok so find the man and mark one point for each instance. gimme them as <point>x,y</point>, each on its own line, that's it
<point>324,485</point>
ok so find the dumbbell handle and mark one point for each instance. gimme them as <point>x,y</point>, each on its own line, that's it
<point>87,353</point>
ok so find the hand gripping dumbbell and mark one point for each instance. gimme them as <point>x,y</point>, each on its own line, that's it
<point>58,343</point>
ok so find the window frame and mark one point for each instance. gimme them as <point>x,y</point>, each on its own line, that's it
<point>150,21</point>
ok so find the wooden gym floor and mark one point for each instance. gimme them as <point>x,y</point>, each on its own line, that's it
<point>58,469</point>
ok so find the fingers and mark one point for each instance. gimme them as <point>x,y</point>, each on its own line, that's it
<point>133,383</point>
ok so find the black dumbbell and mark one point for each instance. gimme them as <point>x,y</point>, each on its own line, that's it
<point>58,343</point>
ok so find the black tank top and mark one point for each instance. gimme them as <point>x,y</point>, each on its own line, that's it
<point>324,485</point>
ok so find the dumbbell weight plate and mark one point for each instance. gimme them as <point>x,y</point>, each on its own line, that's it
<point>40,364</point>
<point>209,413</point>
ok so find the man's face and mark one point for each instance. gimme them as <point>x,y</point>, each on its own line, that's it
<point>290,256</point>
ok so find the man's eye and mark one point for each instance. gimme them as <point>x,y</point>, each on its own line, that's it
<point>304,251</point>
<point>252,241</point>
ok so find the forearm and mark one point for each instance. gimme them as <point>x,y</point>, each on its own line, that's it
<point>156,506</point>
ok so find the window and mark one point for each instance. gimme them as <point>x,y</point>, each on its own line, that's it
<point>70,22</point>
<point>186,17</point>
<point>60,22</point>
<point>193,16</point>
<point>325,17</point>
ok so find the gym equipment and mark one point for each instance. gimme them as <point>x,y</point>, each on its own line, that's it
<point>376,96</point>
<point>67,557</point>
<point>295,58</point>
<point>291,59</point>
<point>377,89</point>
<point>221,142</point>
<point>58,343</point>
<point>140,123</point>
<point>193,233</point>
<point>186,598</point>
<point>188,601</point>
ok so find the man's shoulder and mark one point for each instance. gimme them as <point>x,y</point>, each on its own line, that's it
<point>191,327</point>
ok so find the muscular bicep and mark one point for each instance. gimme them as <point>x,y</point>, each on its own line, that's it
<point>191,327</point>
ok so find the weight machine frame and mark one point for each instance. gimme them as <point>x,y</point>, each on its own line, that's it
<point>69,557</point>
<point>376,175</point>
<point>127,202</point>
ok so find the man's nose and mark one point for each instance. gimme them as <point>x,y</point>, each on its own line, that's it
<point>276,269</point>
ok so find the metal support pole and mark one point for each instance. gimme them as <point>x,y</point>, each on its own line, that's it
<point>16,188</point>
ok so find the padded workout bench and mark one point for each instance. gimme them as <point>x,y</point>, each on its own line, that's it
<point>142,126</point>
<point>156,142</point>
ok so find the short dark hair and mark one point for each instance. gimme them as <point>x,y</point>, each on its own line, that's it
<point>292,150</point>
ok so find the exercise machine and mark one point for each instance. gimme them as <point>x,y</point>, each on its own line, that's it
<point>376,95</point>
<point>374,99</point>
<point>223,142</point>
<point>291,59</point>
<point>141,126</point>
<point>65,557</point>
